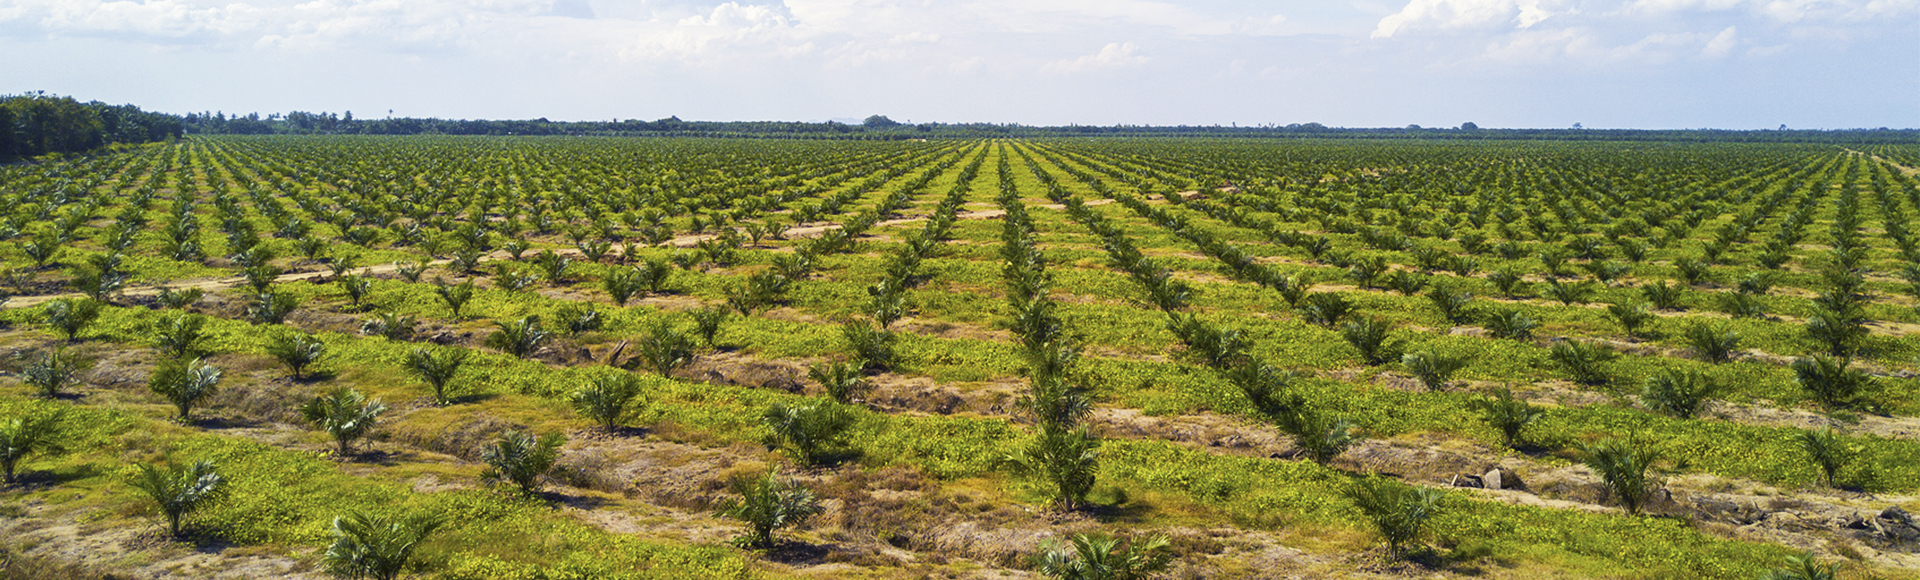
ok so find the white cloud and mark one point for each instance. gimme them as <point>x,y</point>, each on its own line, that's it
<point>1642,31</point>
<point>1453,14</point>
<point>1721,44</point>
<point>765,30</point>
<point>1113,55</point>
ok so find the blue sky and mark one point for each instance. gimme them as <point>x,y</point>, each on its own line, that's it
<point>1376,63</point>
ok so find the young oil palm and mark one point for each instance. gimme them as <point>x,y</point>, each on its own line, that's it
<point>178,490</point>
<point>345,414</point>
<point>376,546</point>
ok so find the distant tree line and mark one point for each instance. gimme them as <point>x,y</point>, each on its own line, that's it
<point>35,124</point>
<point>880,127</point>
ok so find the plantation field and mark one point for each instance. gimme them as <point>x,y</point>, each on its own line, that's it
<point>1706,357</point>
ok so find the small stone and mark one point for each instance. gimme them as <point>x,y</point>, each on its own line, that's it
<point>1491,480</point>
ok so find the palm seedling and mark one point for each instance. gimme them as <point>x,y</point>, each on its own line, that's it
<point>1067,458</point>
<point>665,348</point>
<point>514,278</point>
<point>1326,309</point>
<point>1294,289</point>
<point>1695,272</point>
<point>271,307</point>
<point>761,290</point>
<point>1607,271</point>
<point>179,299</point>
<point>707,323</point>
<point>178,490</point>
<point>101,277</point>
<point>297,350</point>
<point>520,338</point>
<point>1911,274</point>
<point>766,504</point>
<point>1743,305</point>
<point>1828,450</point>
<point>1712,343</point>
<point>392,325</point>
<point>1321,436</point>
<point>1554,259</point>
<point>553,266</point>
<point>1451,302</point>
<point>345,414</point>
<point>873,347</point>
<point>410,271</point>
<point>607,399</point>
<point>1369,335</point>
<point>577,317</point>
<point>71,316</point>
<point>1406,283</point>
<point>721,251</point>
<point>455,296</point>
<point>1804,566</point>
<point>376,546</point>
<point>1103,557</point>
<point>357,289</point>
<point>1830,381</point>
<point>341,266</point>
<point>888,303</point>
<point>1511,323</point>
<point>1510,281</point>
<point>656,272</point>
<point>1433,368</point>
<point>1367,270</point>
<point>438,367</point>
<point>1841,334</point>
<point>186,384</point>
<point>42,248</point>
<point>1052,399</point>
<point>623,283</point>
<point>1206,343</point>
<point>844,383</point>
<point>1678,393</point>
<point>1584,361</point>
<point>1398,511</point>
<point>1507,414</point>
<point>520,459</point>
<point>1428,258</point>
<point>1623,469</point>
<point>1664,296</point>
<point>28,434</point>
<point>1570,293</point>
<point>1758,283</point>
<point>466,260</point>
<point>1463,266</point>
<point>809,432</point>
<point>261,277</point>
<point>1632,316</point>
<point>54,370</point>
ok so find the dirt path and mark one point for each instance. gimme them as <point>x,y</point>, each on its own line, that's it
<point>1914,171</point>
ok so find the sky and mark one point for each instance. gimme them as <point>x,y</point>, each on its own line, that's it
<point>1653,64</point>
